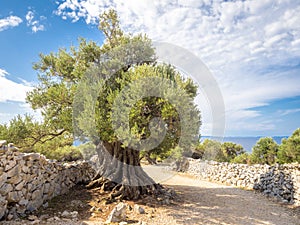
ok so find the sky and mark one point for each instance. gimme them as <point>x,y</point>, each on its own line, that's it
<point>252,49</point>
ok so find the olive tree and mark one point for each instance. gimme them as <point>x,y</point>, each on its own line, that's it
<point>118,97</point>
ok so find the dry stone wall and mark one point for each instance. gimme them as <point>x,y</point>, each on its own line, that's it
<point>28,181</point>
<point>279,181</point>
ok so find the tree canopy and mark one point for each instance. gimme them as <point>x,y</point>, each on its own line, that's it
<point>121,99</point>
<point>217,151</point>
<point>289,150</point>
<point>264,151</point>
<point>60,75</point>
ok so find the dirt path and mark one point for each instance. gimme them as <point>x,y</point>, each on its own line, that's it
<point>211,203</point>
<point>200,202</point>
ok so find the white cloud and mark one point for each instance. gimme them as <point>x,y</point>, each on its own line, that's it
<point>244,43</point>
<point>12,98</point>
<point>29,17</point>
<point>3,72</point>
<point>8,22</point>
<point>12,91</point>
<point>88,10</point>
<point>288,111</point>
<point>19,108</point>
<point>35,25</point>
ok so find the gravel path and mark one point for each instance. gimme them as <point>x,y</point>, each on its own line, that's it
<point>211,203</point>
<point>200,202</point>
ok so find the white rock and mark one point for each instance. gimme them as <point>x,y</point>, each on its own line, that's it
<point>138,209</point>
<point>118,214</point>
<point>32,217</point>
<point>65,214</point>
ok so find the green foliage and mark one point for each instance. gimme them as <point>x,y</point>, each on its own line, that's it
<point>58,75</point>
<point>211,150</point>
<point>110,26</point>
<point>243,158</point>
<point>31,136</point>
<point>20,131</point>
<point>264,151</point>
<point>198,151</point>
<point>3,132</point>
<point>59,148</point>
<point>216,151</point>
<point>289,150</point>
<point>231,150</point>
<point>176,153</point>
<point>131,58</point>
<point>65,153</point>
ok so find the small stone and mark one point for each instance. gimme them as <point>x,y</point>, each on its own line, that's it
<point>118,214</point>
<point>10,164</point>
<point>166,201</point>
<point>74,214</point>
<point>35,222</point>
<point>77,203</point>
<point>44,217</point>
<point>159,199</point>
<point>10,217</point>
<point>13,197</point>
<point>32,217</point>
<point>3,206</point>
<point>138,209</point>
<point>45,205</point>
<point>65,214</point>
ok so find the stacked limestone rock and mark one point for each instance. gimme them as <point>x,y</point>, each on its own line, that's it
<point>27,181</point>
<point>280,181</point>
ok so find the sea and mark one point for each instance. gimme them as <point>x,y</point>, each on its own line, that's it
<point>246,142</point>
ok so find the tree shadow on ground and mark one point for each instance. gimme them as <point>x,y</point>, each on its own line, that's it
<point>78,199</point>
<point>229,206</point>
<point>195,205</point>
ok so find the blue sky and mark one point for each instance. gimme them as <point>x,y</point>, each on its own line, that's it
<point>251,47</point>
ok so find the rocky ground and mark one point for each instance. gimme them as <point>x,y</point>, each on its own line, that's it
<point>199,202</point>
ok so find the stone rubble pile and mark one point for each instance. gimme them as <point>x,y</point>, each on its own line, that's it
<point>119,213</point>
<point>279,181</point>
<point>28,181</point>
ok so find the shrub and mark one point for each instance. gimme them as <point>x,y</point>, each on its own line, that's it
<point>231,150</point>
<point>264,151</point>
<point>289,150</point>
<point>243,158</point>
<point>213,151</point>
<point>66,153</point>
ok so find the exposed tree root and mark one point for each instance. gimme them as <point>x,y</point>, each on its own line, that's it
<point>120,174</point>
<point>127,192</point>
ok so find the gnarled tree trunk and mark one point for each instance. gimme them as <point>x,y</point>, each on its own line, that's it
<point>121,173</point>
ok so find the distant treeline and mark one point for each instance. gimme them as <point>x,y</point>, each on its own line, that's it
<point>247,142</point>
<point>265,151</point>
